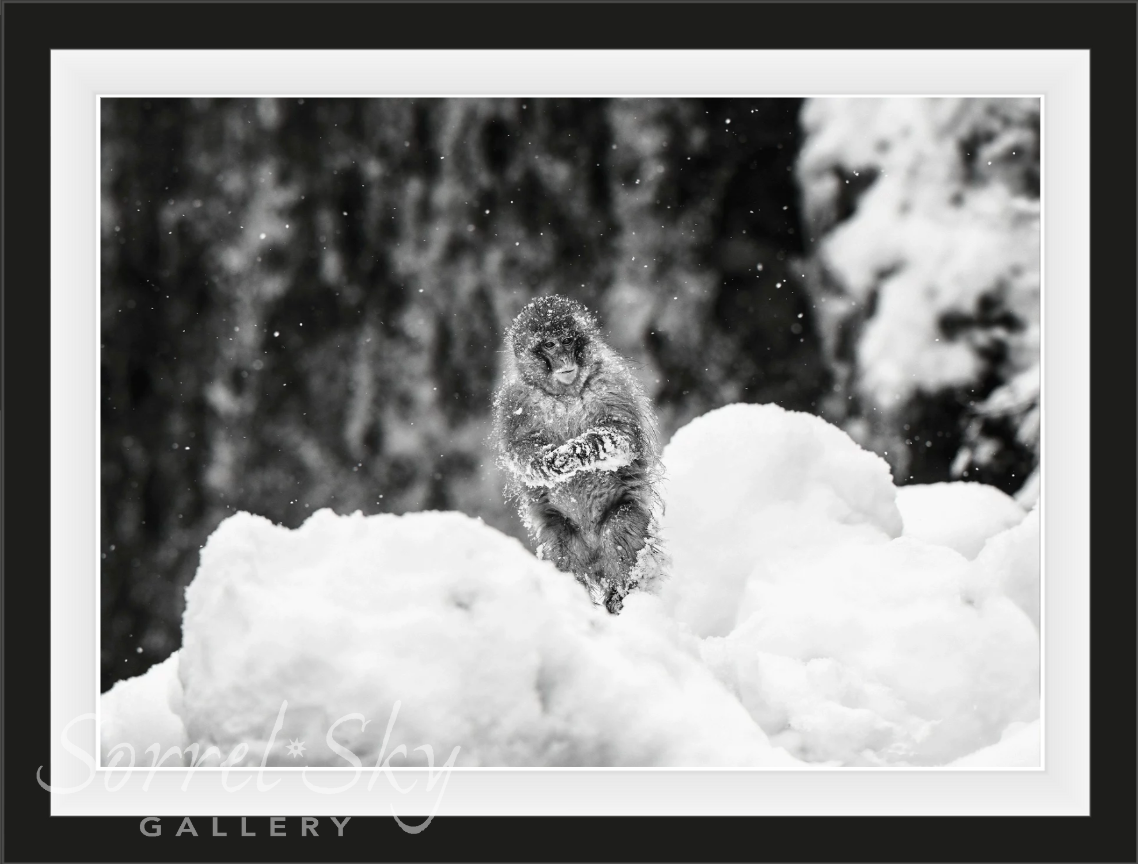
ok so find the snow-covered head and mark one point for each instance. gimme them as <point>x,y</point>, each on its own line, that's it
<point>552,341</point>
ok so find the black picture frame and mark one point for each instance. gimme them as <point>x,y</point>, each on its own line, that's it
<point>31,30</point>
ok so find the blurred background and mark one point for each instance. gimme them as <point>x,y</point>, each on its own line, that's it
<point>303,300</point>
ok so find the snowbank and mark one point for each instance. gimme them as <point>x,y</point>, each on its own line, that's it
<point>1009,565</point>
<point>1019,747</point>
<point>801,622</point>
<point>482,646</point>
<point>961,516</point>
<point>143,711</point>
<point>847,643</point>
<point>752,486</point>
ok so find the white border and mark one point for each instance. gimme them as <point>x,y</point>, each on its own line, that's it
<point>1061,78</point>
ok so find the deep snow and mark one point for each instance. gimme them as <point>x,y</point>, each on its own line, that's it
<point>808,617</point>
<point>961,516</point>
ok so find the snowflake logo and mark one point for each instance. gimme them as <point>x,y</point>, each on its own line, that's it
<point>295,748</point>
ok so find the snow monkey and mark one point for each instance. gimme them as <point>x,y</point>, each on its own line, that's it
<point>577,438</point>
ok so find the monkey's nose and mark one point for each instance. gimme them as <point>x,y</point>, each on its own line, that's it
<point>566,375</point>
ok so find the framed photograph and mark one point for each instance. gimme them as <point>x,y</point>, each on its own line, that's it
<point>474,430</point>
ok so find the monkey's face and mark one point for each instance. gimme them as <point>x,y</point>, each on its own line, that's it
<point>559,351</point>
<point>553,360</point>
<point>551,340</point>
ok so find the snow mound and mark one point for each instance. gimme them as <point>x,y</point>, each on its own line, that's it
<point>143,711</point>
<point>1019,747</point>
<point>751,485</point>
<point>481,645</point>
<point>871,654</point>
<point>1009,565</point>
<point>799,622</point>
<point>847,643</point>
<point>961,516</point>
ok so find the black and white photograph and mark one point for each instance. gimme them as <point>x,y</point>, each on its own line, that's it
<point>484,431</point>
<point>570,432</point>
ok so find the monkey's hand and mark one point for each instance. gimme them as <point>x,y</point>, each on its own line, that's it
<point>601,448</point>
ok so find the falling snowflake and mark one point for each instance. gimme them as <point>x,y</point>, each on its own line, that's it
<point>295,747</point>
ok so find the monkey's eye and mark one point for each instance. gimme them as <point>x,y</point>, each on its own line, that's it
<point>568,340</point>
<point>548,343</point>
